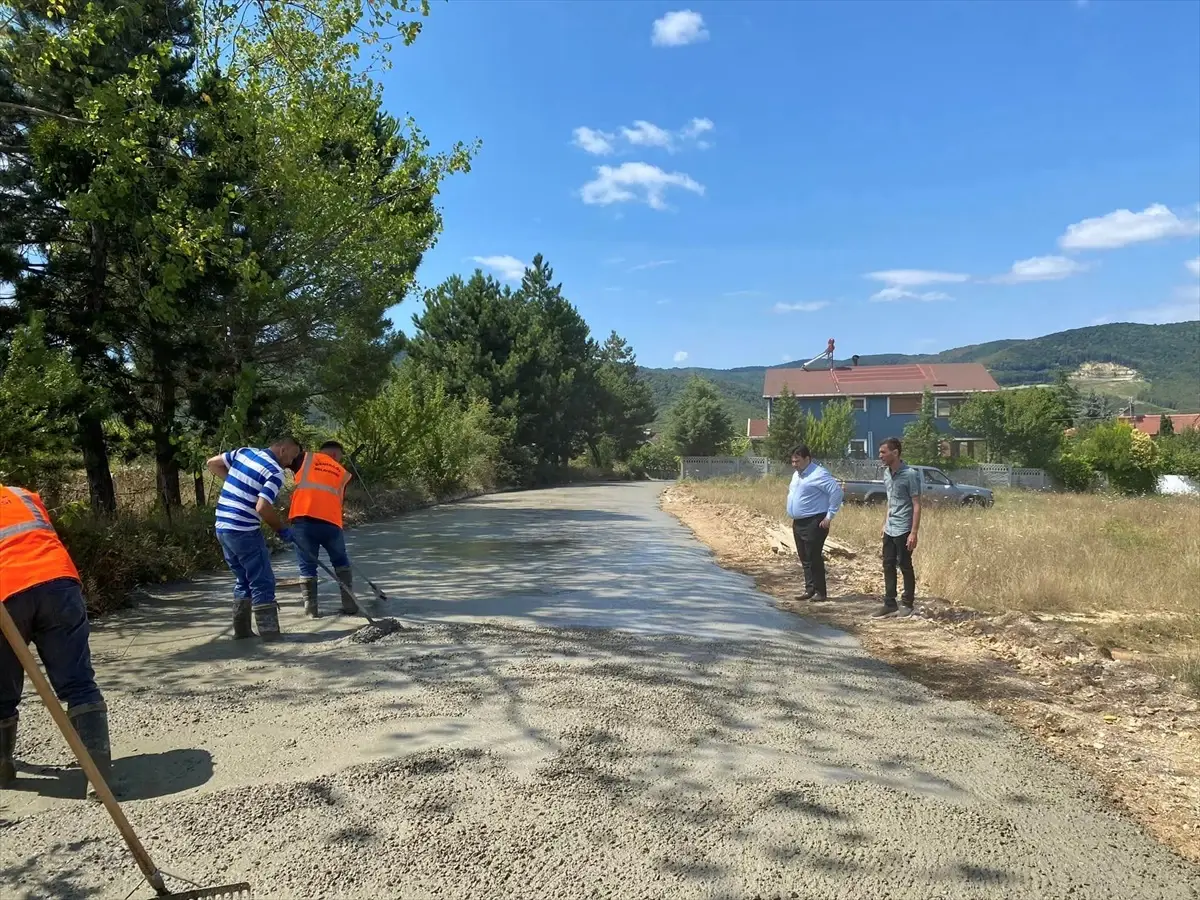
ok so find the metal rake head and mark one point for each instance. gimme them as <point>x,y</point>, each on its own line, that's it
<point>239,891</point>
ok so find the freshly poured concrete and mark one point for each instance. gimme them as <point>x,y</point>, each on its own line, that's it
<point>582,705</point>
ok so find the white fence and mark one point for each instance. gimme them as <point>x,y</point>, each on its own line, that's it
<point>983,475</point>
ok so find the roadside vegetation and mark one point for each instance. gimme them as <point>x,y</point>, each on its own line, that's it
<point>206,216</point>
<point>1124,572</point>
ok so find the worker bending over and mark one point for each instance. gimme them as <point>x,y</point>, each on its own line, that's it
<point>316,519</point>
<point>253,478</point>
<point>41,590</point>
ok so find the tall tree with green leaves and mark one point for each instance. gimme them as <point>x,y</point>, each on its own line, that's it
<point>1166,427</point>
<point>787,427</point>
<point>698,424</point>
<point>625,404</point>
<point>922,438</point>
<point>829,436</point>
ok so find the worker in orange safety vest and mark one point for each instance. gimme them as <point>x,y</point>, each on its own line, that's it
<point>315,513</point>
<point>41,590</point>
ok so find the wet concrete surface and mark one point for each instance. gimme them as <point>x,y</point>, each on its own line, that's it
<point>580,704</point>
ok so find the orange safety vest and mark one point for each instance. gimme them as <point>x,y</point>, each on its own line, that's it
<point>30,550</point>
<point>320,487</point>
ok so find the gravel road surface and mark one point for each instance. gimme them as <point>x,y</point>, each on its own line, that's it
<point>581,704</point>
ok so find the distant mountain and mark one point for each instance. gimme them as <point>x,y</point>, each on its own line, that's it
<point>1165,360</point>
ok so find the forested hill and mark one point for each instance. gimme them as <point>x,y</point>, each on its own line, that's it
<point>1167,357</point>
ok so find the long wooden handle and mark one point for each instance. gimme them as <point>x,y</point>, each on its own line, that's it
<point>13,636</point>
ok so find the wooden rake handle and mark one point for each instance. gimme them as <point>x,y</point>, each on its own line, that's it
<point>21,649</point>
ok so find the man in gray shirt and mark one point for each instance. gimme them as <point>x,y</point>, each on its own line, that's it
<point>903,485</point>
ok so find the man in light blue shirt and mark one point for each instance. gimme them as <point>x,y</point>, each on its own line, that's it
<point>814,498</point>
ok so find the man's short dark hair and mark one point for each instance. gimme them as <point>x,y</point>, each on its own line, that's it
<point>892,443</point>
<point>802,450</point>
<point>332,445</point>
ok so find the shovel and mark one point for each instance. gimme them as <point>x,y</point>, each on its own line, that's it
<point>239,891</point>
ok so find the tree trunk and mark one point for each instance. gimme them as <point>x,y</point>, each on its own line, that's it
<point>166,464</point>
<point>199,481</point>
<point>95,460</point>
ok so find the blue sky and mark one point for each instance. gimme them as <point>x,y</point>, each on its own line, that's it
<point>740,181</point>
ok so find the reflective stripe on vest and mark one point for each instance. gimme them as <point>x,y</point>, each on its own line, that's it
<point>306,482</point>
<point>39,522</point>
<point>315,497</point>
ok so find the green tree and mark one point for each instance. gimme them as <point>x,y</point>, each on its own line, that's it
<point>1126,456</point>
<point>1068,396</point>
<point>625,406</point>
<point>787,427</point>
<point>1025,427</point>
<point>829,436</point>
<point>698,424</point>
<point>1166,427</point>
<point>984,416</point>
<point>922,439</point>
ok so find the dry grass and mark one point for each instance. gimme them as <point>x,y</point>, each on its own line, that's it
<point>1125,572</point>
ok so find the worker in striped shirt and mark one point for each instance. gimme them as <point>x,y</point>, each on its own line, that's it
<point>253,478</point>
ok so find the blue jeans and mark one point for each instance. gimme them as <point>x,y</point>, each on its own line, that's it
<point>53,616</point>
<point>311,536</point>
<point>250,560</point>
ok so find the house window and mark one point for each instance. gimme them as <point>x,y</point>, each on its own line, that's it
<point>858,404</point>
<point>904,405</point>
<point>944,407</point>
<point>858,449</point>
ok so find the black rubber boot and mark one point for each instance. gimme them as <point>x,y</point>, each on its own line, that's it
<point>266,617</point>
<point>309,585</point>
<point>91,724</point>
<point>8,745</point>
<point>241,619</point>
<point>346,577</point>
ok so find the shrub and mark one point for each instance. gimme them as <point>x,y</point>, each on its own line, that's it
<point>654,460</point>
<point>1074,472</point>
<point>1126,456</point>
<point>414,433</point>
<point>116,555</point>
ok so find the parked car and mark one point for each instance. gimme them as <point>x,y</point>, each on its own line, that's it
<point>936,487</point>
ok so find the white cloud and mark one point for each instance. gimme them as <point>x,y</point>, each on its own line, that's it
<point>1193,266</point>
<point>1041,268</point>
<point>679,28</point>
<point>652,264</point>
<point>593,141</point>
<point>681,356</point>
<point>916,277</point>
<point>893,294</point>
<point>1122,227</point>
<point>643,134</point>
<point>635,182</point>
<point>646,134</point>
<point>507,267</point>
<point>800,307</point>
<point>900,281</point>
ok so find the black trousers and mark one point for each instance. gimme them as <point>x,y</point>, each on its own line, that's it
<point>810,542</point>
<point>897,555</point>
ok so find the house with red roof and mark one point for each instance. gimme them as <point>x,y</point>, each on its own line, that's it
<point>1152,424</point>
<point>886,398</point>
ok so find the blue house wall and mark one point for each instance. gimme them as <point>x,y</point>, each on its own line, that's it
<point>873,424</point>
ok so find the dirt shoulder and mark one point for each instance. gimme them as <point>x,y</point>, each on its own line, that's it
<point>1136,733</point>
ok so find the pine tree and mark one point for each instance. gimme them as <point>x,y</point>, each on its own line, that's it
<point>699,424</point>
<point>787,428</point>
<point>922,439</point>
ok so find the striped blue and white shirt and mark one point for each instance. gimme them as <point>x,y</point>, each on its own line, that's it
<point>252,474</point>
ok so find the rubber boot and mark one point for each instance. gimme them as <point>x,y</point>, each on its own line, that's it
<point>8,745</point>
<point>266,617</point>
<point>241,619</point>
<point>346,577</point>
<point>91,724</point>
<point>310,597</point>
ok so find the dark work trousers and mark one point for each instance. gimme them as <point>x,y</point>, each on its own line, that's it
<point>810,542</point>
<point>896,554</point>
